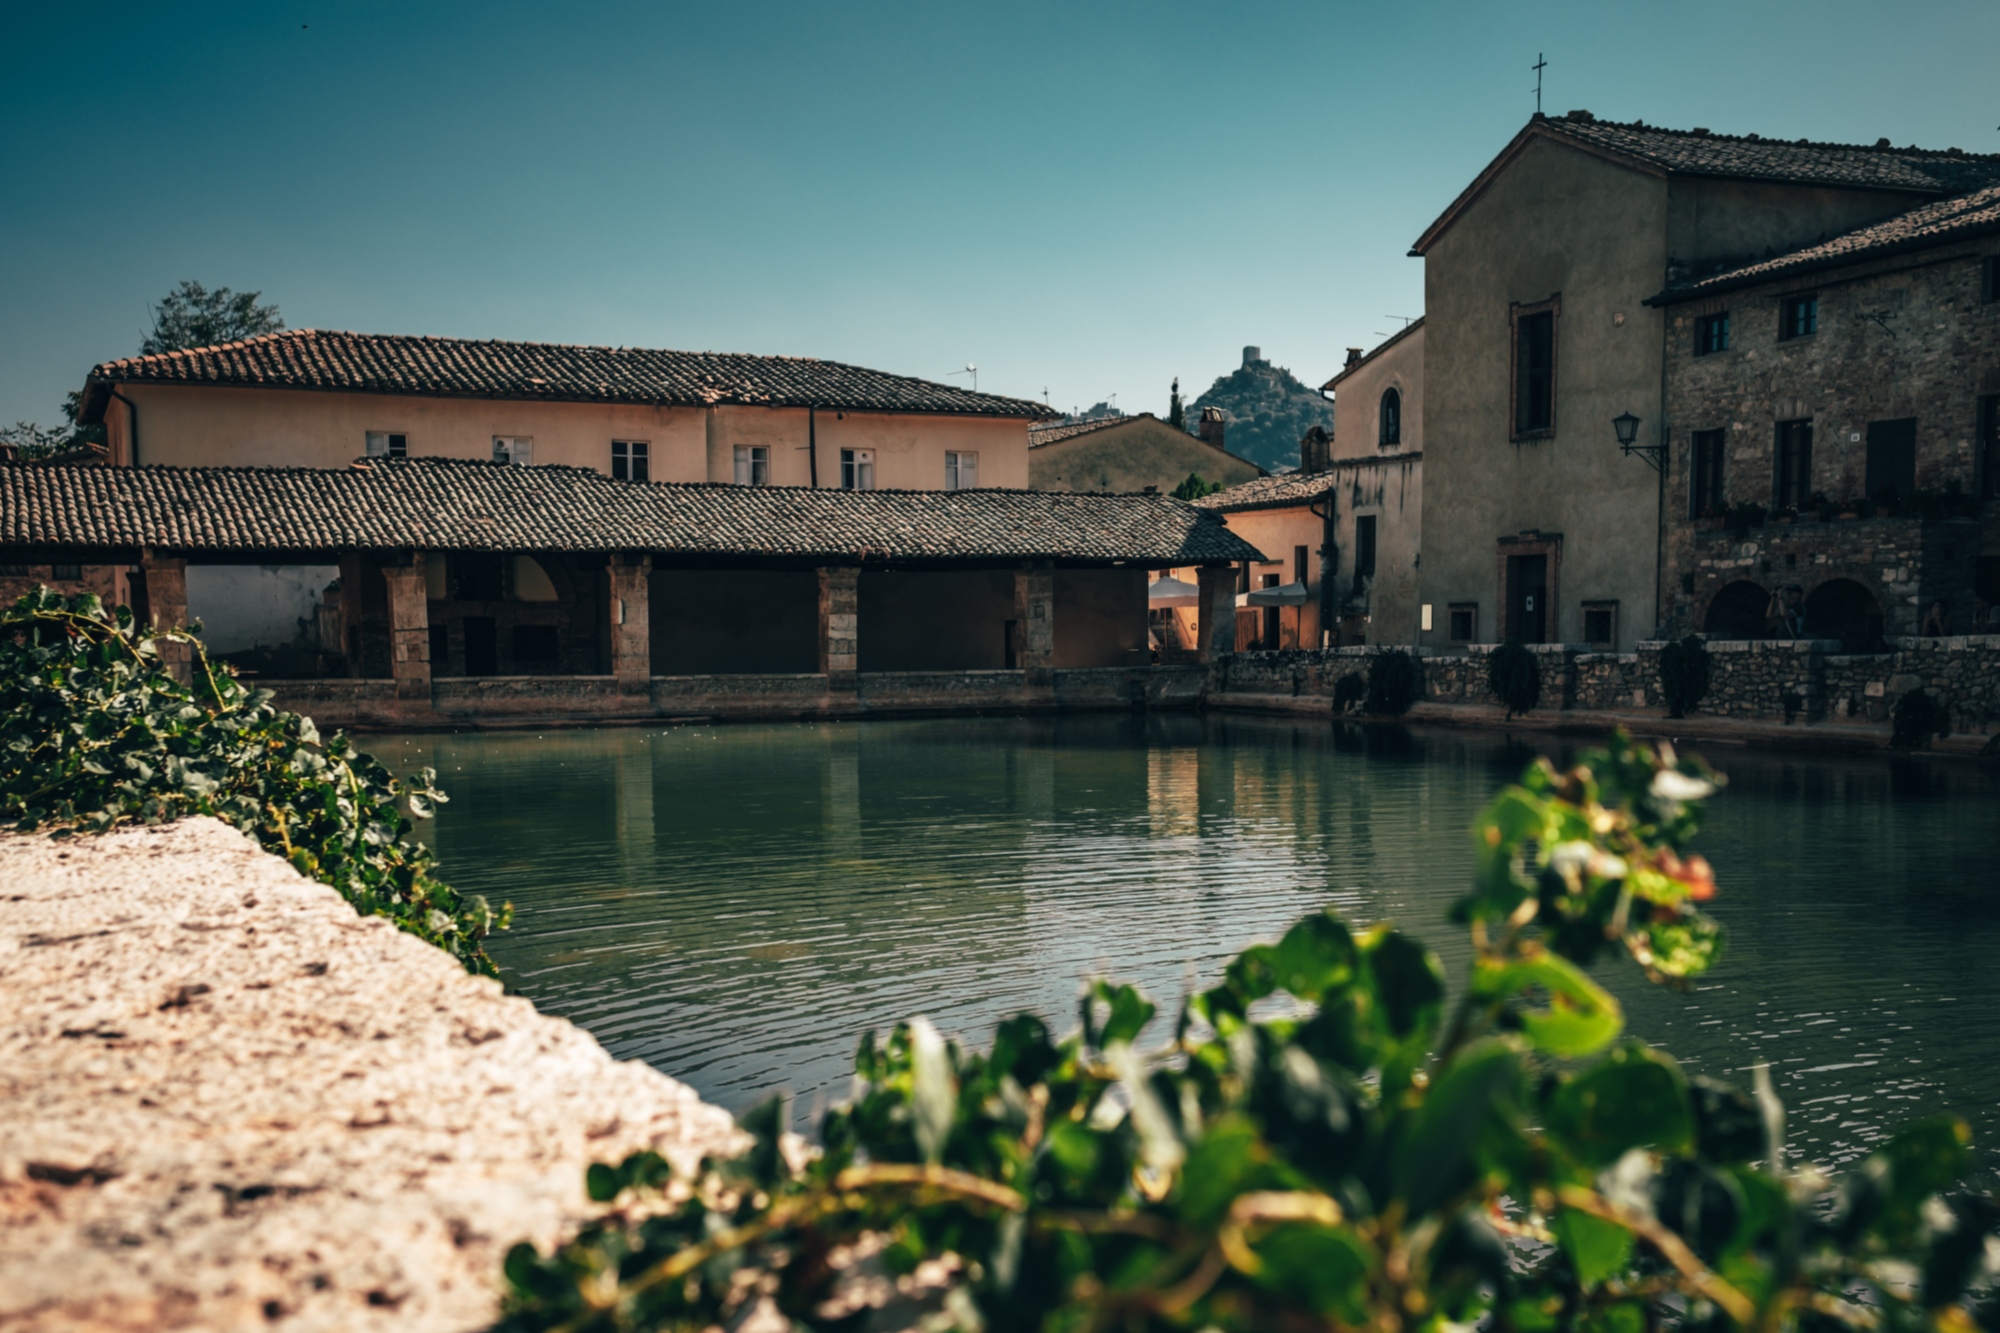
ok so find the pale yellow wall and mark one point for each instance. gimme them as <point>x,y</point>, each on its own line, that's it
<point>196,426</point>
<point>1358,400</point>
<point>1131,456</point>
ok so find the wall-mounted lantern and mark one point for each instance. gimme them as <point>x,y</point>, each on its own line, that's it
<point>1627,427</point>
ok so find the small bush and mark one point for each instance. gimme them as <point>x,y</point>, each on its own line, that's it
<point>1395,683</point>
<point>1348,691</point>
<point>1916,719</point>
<point>94,733</point>
<point>1684,675</point>
<point>1515,677</point>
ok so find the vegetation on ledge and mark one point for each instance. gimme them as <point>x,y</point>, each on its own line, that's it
<point>95,731</point>
<point>1323,1143</point>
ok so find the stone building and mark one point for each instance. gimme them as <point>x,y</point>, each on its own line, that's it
<point>1117,455</point>
<point>1539,336</point>
<point>473,590</point>
<point>1834,421</point>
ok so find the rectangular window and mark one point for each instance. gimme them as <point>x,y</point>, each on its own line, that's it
<point>513,449</point>
<point>1364,547</point>
<point>1298,564</point>
<point>1989,451</point>
<point>857,469</point>
<point>1891,473</point>
<point>1792,474</point>
<point>1711,334</point>
<point>1600,623</point>
<point>1705,493</point>
<point>1798,317</point>
<point>65,571</point>
<point>1534,371</point>
<point>388,444</point>
<point>13,571</point>
<point>1463,618</point>
<point>1989,280</point>
<point>631,461</point>
<point>961,470</point>
<point>753,465</point>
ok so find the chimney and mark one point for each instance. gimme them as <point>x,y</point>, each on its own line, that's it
<point>1252,355</point>
<point>1353,355</point>
<point>1212,425</point>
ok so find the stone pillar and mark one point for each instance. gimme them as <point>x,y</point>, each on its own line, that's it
<point>840,627</point>
<point>410,630</point>
<point>1215,634</point>
<point>631,623</point>
<point>1035,617</point>
<point>167,606</point>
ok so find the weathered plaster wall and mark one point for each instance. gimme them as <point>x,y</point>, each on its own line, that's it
<point>1138,453</point>
<point>1557,223</point>
<point>1384,608</point>
<point>1710,221</point>
<point>1398,365</point>
<point>243,606</point>
<point>909,449</point>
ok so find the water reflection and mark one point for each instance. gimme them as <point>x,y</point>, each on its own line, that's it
<point>736,905</point>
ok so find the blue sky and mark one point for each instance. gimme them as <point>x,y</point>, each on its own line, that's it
<point>1087,199</point>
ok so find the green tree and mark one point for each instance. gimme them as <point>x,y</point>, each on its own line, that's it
<point>1176,411</point>
<point>192,316</point>
<point>1326,1140</point>
<point>1195,487</point>
<point>1514,677</point>
<point>26,439</point>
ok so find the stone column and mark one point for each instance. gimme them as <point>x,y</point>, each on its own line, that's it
<point>631,623</point>
<point>1035,615</point>
<point>167,606</point>
<point>410,630</point>
<point>1215,633</point>
<point>840,627</point>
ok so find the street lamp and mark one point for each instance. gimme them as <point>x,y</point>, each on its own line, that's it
<point>1627,427</point>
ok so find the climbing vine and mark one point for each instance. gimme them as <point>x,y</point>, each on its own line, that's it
<point>95,731</point>
<point>1323,1139</point>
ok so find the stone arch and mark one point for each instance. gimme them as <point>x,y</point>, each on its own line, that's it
<point>1737,611</point>
<point>1844,609</point>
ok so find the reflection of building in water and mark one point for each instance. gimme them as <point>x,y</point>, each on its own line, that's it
<point>632,786</point>
<point>1173,792</point>
<point>840,796</point>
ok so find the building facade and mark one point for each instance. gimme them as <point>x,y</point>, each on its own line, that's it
<point>1833,416</point>
<point>1377,454</point>
<point>1125,455</point>
<point>1539,336</point>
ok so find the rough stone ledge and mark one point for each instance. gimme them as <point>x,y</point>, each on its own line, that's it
<point>227,1101</point>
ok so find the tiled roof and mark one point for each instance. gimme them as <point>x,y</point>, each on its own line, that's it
<point>1794,162</point>
<point>1940,223</point>
<point>1699,152</point>
<point>466,368</point>
<point>442,504</point>
<point>1279,492</point>
<point>1065,430</point>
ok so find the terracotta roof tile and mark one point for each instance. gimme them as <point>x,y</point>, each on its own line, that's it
<point>1938,223</point>
<point>1279,492</point>
<point>1800,162</point>
<point>457,367</point>
<point>465,505</point>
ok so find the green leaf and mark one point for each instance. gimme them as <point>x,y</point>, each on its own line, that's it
<point>602,1182</point>
<point>1582,1017</point>
<point>1409,981</point>
<point>1596,1248</point>
<point>1219,1167</point>
<point>1473,1100</point>
<point>1323,1268</point>
<point>1126,1013</point>
<point>1634,1098</point>
<point>1316,956</point>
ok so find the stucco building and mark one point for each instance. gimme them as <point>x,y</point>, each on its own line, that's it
<point>1119,455</point>
<point>1834,417</point>
<point>1377,457</point>
<point>1538,336</point>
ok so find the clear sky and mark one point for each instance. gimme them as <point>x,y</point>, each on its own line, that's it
<point>1082,198</point>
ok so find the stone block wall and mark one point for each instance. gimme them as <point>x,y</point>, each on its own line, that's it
<point>1962,673</point>
<point>1610,682</point>
<point>1772,679</point>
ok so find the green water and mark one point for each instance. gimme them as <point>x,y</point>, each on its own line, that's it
<point>736,905</point>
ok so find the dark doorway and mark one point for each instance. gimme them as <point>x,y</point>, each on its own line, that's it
<point>1843,609</point>
<point>1010,641</point>
<point>1737,612</point>
<point>1892,460</point>
<point>1528,598</point>
<point>482,646</point>
<point>1271,627</point>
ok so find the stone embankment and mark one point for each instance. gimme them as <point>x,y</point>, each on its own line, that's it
<point>227,1101</point>
<point>1803,692</point>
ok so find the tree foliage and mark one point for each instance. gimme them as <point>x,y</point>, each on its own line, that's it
<point>1916,719</point>
<point>26,439</point>
<point>1514,677</point>
<point>1395,683</point>
<point>192,316</point>
<point>95,732</point>
<point>1267,411</point>
<point>1684,674</point>
<point>1323,1142</point>
<point>1195,487</point>
<point>1176,409</point>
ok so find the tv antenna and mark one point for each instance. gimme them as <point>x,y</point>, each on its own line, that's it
<point>973,371</point>
<point>1541,63</point>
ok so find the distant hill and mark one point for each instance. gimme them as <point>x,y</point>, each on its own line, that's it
<point>1267,410</point>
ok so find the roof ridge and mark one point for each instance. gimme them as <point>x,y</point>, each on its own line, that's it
<point>1881,145</point>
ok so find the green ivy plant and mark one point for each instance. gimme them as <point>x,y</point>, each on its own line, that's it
<point>1326,1140</point>
<point>1514,677</point>
<point>95,731</point>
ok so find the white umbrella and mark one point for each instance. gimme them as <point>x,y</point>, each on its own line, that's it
<point>1171,591</point>
<point>1289,594</point>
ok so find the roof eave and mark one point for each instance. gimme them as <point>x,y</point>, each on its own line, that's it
<point>1726,282</point>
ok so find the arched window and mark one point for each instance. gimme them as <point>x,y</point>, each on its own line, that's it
<point>1392,418</point>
